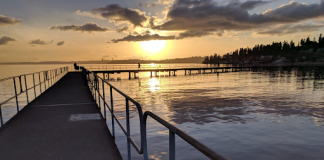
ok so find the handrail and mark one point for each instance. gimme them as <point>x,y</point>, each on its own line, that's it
<point>174,130</point>
<point>30,73</point>
<point>93,83</point>
<point>49,77</point>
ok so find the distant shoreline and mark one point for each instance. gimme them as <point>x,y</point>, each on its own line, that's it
<point>130,61</point>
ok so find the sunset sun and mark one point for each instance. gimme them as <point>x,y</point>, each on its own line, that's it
<point>153,46</point>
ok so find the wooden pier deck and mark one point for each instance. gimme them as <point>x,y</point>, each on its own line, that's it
<point>50,127</point>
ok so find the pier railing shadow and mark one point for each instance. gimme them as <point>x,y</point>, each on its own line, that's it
<point>98,93</point>
<point>26,82</point>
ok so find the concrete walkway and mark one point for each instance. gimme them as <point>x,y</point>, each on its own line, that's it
<point>44,128</point>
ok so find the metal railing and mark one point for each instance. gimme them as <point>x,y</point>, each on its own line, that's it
<point>46,78</point>
<point>94,82</point>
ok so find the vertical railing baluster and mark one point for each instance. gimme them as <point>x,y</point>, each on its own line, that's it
<point>112,111</point>
<point>48,80</point>
<point>128,130</point>
<point>16,94</point>
<point>40,83</point>
<point>44,75</point>
<point>98,87</point>
<point>34,85</point>
<point>171,145</point>
<point>26,89</point>
<point>1,117</point>
<point>95,89</point>
<point>20,84</point>
<point>104,98</point>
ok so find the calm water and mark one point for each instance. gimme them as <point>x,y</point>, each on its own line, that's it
<point>241,115</point>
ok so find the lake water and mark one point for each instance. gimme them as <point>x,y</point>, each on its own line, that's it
<point>275,114</point>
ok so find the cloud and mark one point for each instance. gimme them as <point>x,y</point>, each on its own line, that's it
<point>249,4</point>
<point>152,4</point>
<point>145,37</point>
<point>5,40</point>
<point>125,28</point>
<point>87,27</point>
<point>198,33</point>
<point>206,15</point>
<point>121,14</point>
<point>290,29</point>
<point>60,43</point>
<point>40,42</point>
<point>148,4</point>
<point>4,21</point>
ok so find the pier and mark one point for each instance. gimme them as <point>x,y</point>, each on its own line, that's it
<point>187,70</point>
<point>63,123</point>
<point>65,120</point>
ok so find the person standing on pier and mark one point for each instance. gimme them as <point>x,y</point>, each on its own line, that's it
<point>139,65</point>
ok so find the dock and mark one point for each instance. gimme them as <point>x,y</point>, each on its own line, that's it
<point>62,123</point>
<point>154,71</point>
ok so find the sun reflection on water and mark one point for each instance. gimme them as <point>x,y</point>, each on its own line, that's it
<point>153,84</point>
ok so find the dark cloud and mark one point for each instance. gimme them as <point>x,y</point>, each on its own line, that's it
<point>252,4</point>
<point>8,21</point>
<point>198,33</point>
<point>145,37</point>
<point>290,29</point>
<point>87,27</point>
<point>191,3</point>
<point>152,4</point>
<point>40,42</point>
<point>60,43</point>
<point>5,40</point>
<point>122,29</point>
<point>121,14</point>
<point>205,15</point>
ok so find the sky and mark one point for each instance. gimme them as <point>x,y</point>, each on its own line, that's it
<point>81,30</point>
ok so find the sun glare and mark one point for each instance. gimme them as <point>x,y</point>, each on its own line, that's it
<point>153,46</point>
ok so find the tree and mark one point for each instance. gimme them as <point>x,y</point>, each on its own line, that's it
<point>292,44</point>
<point>206,60</point>
<point>307,40</point>
<point>321,40</point>
<point>302,42</point>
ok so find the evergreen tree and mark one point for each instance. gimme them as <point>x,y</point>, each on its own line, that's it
<point>206,60</point>
<point>292,44</point>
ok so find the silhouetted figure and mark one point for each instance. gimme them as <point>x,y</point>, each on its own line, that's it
<point>139,65</point>
<point>76,67</point>
<point>218,64</point>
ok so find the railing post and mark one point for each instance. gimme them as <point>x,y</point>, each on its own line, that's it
<point>98,93</point>
<point>26,90</point>
<point>16,94</point>
<point>44,75</point>
<point>40,83</point>
<point>1,117</point>
<point>20,84</point>
<point>34,85</point>
<point>112,111</point>
<point>128,130</point>
<point>51,74</point>
<point>171,145</point>
<point>95,89</point>
<point>48,80</point>
<point>104,98</point>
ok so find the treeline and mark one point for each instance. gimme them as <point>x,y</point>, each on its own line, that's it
<point>305,50</point>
